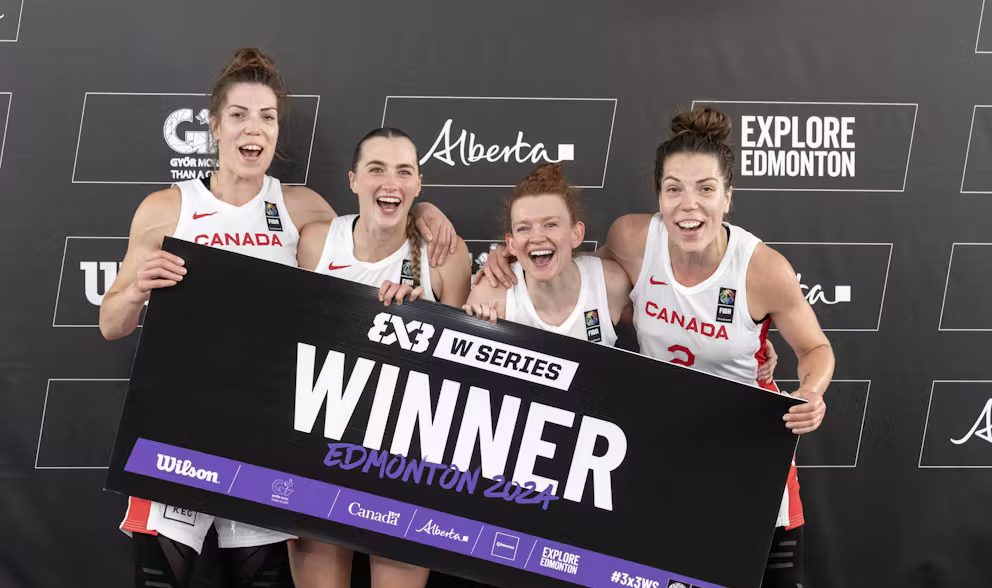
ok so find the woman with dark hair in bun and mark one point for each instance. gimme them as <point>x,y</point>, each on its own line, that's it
<point>238,208</point>
<point>687,260</point>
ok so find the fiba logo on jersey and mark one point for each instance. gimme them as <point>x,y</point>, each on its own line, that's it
<point>147,138</point>
<point>389,329</point>
<point>484,141</point>
<point>843,146</point>
<point>958,428</point>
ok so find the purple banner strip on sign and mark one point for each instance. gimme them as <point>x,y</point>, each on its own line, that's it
<point>397,519</point>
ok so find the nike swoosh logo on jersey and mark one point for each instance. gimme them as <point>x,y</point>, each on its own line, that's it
<point>655,282</point>
<point>197,215</point>
<point>333,267</point>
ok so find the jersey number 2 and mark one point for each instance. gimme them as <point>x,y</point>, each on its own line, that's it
<point>678,351</point>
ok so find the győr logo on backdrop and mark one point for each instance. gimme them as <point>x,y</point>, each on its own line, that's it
<point>494,142</point>
<point>389,329</point>
<point>844,146</point>
<point>168,139</point>
<point>190,136</point>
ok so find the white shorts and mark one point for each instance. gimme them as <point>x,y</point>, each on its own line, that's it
<point>190,527</point>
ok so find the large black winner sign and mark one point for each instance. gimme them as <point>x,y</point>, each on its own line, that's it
<point>296,401</point>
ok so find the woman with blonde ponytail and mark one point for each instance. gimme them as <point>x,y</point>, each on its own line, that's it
<point>246,103</point>
<point>379,246</point>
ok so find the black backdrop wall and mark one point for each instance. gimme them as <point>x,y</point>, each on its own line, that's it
<point>887,224</point>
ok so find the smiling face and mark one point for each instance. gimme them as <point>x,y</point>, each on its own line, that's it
<point>246,129</point>
<point>543,235</point>
<point>693,201</point>
<point>386,179</point>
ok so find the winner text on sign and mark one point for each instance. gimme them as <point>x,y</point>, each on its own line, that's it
<point>296,401</point>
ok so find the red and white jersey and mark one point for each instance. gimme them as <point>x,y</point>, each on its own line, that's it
<point>259,228</point>
<point>708,326</point>
<point>338,259</point>
<point>589,320</point>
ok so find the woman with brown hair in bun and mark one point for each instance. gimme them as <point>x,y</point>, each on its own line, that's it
<point>242,209</point>
<point>687,260</point>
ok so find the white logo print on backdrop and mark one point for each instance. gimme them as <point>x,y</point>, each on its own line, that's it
<point>984,421</point>
<point>469,150</point>
<point>190,142</point>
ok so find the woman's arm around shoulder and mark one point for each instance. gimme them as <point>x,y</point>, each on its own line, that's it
<point>487,302</point>
<point>311,245</point>
<point>452,277</point>
<point>306,206</point>
<point>618,288</point>
<point>626,241</point>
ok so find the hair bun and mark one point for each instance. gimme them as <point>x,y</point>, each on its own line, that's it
<point>251,58</point>
<point>705,122</point>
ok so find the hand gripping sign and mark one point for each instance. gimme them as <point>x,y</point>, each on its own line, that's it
<point>509,455</point>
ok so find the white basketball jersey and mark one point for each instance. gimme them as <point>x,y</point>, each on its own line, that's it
<point>707,326</point>
<point>338,259</point>
<point>589,320</point>
<point>260,228</point>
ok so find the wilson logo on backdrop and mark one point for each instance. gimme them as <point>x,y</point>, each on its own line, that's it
<point>89,268</point>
